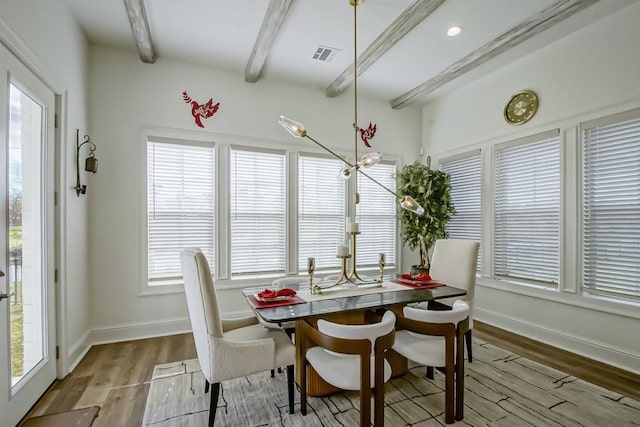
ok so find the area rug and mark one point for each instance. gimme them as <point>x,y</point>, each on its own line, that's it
<point>76,418</point>
<point>501,389</point>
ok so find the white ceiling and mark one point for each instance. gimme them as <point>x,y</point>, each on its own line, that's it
<point>222,33</point>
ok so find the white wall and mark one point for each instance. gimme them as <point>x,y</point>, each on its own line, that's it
<point>51,43</point>
<point>591,73</point>
<point>128,96</point>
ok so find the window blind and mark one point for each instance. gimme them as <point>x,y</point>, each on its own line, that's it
<point>376,213</point>
<point>466,195</point>
<point>611,205</point>
<point>258,211</point>
<point>180,205</point>
<point>527,209</point>
<point>321,211</point>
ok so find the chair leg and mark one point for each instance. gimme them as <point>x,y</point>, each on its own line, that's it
<point>215,392</point>
<point>378,396</point>
<point>365,391</point>
<point>467,336</point>
<point>206,386</point>
<point>290,387</point>
<point>430,372</point>
<point>303,386</point>
<point>365,407</point>
<point>449,411</point>
<point>460,386</point>
<point>273,373</point>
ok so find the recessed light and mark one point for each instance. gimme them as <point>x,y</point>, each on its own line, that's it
<point>454,31</point>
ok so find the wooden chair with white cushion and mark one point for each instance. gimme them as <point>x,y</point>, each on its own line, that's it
<point>350,357</point>
<point>436,338</point>
<point>454,262</point>
<point>229,349</point>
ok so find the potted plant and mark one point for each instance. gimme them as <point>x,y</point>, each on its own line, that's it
<point>430,188</point>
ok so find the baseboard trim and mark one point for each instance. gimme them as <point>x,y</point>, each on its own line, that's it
<point>76,352</point>
<point>605,353</point>
<point>136,331</point>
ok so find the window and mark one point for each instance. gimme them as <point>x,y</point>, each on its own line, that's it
<point>258,211</point>
<point>377,216</point>
<point>321,211</point>
<point>527,209</point>
<point>465,174</point>
<point>611,205</point>
<point>180,204</point>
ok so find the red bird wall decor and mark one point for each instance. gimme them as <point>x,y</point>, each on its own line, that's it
<point>198,111</point>
<point>367,134</point>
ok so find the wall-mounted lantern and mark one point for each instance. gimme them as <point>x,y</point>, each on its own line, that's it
<point>90,163</point>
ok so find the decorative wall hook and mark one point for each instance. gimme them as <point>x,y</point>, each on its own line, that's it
<point>90,163</point>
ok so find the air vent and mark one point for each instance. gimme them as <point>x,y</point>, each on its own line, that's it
<point>325,53</point>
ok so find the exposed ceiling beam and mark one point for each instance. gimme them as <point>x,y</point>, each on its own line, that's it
<point>140,29</point>
<point>550,16</point>
<point>400,27</point>
<point>276,12</point>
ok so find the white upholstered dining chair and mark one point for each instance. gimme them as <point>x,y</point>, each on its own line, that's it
<point>229,349</point>
<point>454,262</point>
<point>436,338</point>
<point>350,357</point>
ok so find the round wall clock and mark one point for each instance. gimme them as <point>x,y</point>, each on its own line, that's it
<point>521,107</point>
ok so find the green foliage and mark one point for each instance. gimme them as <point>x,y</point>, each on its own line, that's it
<point>15,236</point>
<point>431,189</point>
<point>17,335</point>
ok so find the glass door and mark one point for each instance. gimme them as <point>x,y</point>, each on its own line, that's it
<point>27,305</point>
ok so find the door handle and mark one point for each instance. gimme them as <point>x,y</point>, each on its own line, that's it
<point>3,296</point>
<point>1,273</point>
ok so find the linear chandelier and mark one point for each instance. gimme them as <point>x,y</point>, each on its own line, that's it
<point>366,160</point>
<point>349,276</point>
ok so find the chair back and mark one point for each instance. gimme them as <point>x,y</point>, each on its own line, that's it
<point>202,303</point>
<point>454,262</point>
<point>355,332</point>
<point>459,311</point>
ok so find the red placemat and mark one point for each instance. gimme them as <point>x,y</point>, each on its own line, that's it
<point>417,283</point>
<point>266,304</point>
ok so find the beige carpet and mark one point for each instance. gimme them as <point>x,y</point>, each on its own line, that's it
<point>502,389</point>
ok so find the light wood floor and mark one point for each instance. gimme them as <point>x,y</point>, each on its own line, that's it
<point>116,376</point>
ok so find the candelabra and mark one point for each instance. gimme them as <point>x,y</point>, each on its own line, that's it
<point>348,274</point>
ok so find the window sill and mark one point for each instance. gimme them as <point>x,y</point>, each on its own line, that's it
<point>587,301</point>
<point>161,289</point>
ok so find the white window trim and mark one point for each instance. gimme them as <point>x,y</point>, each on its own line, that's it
<point>601,120</point>
<point>223,143</point>
<point>390,159</point>
<point>529,139</point>
<point>171,287</point>
<point>463,156</point>
<point>569,291</point>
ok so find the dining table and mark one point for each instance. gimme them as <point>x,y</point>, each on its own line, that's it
<point>348,303</point>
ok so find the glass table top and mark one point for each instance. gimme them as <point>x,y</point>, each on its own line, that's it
<point>337,304</point>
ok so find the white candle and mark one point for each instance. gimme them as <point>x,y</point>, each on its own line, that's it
<point>354,227</point>
<point>343,250</point>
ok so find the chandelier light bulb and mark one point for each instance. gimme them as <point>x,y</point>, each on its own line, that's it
<point>345,173</point>
<point>294,128</point>
<point>371,158</point>
<point>411,205</point>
